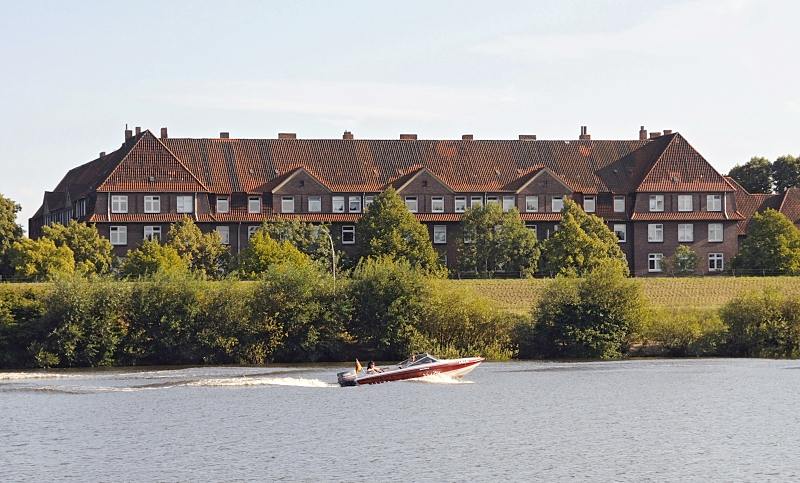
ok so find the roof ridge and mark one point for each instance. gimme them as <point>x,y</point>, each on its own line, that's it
<point>183,165</point>
<point>650,170</point>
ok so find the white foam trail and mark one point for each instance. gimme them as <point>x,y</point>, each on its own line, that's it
<point>262,381</point>
<point>441,379</point>
<point>21,376</point>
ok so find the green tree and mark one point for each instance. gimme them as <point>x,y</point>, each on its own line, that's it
<point>496,241</point>
<point>152,258</point>
<point>10,232</point>
<point>40,259</point>
<point>309,238</point>
<point>592,317</point>
<point>263,251</point>
<point>682,262</point>
<point>772,245</point>
<point>582,243</point>
<point>763,324</point>
<point>93,253</point>
<point>388,229</point>
<point>755,176</point>
<point>203,252</point>
<point>786,172</point>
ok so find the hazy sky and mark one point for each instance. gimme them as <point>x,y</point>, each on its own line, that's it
<point>723,73</point>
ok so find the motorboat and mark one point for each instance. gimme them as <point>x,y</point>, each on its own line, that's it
<point>418,365</point>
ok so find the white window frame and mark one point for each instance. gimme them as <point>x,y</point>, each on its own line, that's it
<point>475,201</point>
<point>654,262</point>
<point>118,235</point>
<point>251,230</point>
<point>152,232</point>
<point>184,203</point>
<point>716,228</point>
<point>713,202</point>
<point>685,203</point>
<point>492,199</point>
<point>657,203</point>
<point>254,204</point>
<point>589,204</point>
<point>350,232</point>
<point>314,204</point>
<point>223,204</point>
<point>368,199</point>
<point>685,232</point>
<point>287,204</point>
<point>532,204</point>
<point>119,203</point>
<point>716,262</point>
<point>460,204</point>
<point>621,228</point>
<point>557,200</point>
<point>439,234</point>
<point>354,204</point>
<point>619,204</point>
<point>655,232</point>
<point>152,204</point>
<point>509,202</point>
<point>532,226</point>
<point>224,232</point>
<point>437,204</point>
<point>337,204</point>
<point>412,203</point>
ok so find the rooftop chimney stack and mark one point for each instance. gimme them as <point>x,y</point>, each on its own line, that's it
<point>347,135</point>
<point>224,135</point>
<point>128,134</point>
<point>408,137</point>
<point>527,137</point>
<point>654,134</point>
<point>287,135</point>
<point>667,132</point>
<point>102,153</point>
<point>467,137</point>
<point>584,134</point>
<point>164,133</point>
<point>138,130</point>
<point>642,134</point>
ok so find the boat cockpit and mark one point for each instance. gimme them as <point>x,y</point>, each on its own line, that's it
<point>418,359</point>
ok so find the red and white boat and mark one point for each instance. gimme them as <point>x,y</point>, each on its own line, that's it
<point>419,365</point>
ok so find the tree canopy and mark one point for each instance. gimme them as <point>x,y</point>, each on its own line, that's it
<point>93,253</point>
<point>755,176</point>
<point>10,232</point>
<point>493,240</point>
<point>309,238</point>
<point>40,259</point>
<point>786,172</point>
<point>772,245</point>
<point>264,251</point>
<point>204,252</point>
<point>151,258</point>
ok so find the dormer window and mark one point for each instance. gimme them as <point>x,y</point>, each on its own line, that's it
<point>509,202</point>
<point>287,204</point>
<point>411,204</point>
<point>223,204</point>
<point>254,204</point>
<point>119,203</point>
<point>437,204</point>
<point>557,204</point>
<point>619,204</point>
<point>532,204</point>
<point>314,204</point>
<point>714,203</point>
<point>656,202</point>
<point>589,204</point>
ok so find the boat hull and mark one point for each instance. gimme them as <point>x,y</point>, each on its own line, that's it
<point>449,367</point>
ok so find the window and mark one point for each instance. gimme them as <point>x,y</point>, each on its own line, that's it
<point>509,202</point>
<point>461,204</point>
<point>437,204</point>
<point>254,204</point>
<point>354,205</point>
<point>475,201</point>
<point>368,201</point>
<point>589,203</point>
<point>251,230</point>
<point>224,234</point>
<point>716,262</point>
<point>685,203</point>
<point>655,233</point>
<point>492,199</point>
<point>685,232</point>
<point>619,204</point>
<point>223,204</point>
<point>348,234</point>
<point>656,202</point>
<point>439,234</point>
<point>119,204</point>
<point>654,262</point>
<point>314,204</point>
<point>287,204</point>
<point>531,204</point>
<point>714,203</point>
<point>411,203</point>
<point>185,204</point>
<point>557,203</point>
<point>118,235</point>
<point>531,226</point>
<point>338,204</point>
<point>152,233</point>
<point>621,231</point>
<point>715,232</point>
<point>152,204</point>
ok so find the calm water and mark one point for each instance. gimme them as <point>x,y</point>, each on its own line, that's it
<point>634,420</point>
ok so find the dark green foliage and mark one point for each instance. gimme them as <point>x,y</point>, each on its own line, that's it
<point>755,176</point>
<point>92,252</point>
<point>772,246</point>
<point>682,262</point>
<point>203,253</point>
<point>763,324</point>
<point>683,332</point>
<point>10,232</point>
<point>786,172</point>
<point>21,308</point>
<point>311,239</point>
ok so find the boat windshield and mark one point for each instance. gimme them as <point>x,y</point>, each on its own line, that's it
<point>417,359</point>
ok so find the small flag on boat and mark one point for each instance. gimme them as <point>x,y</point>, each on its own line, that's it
<point>358,366</point>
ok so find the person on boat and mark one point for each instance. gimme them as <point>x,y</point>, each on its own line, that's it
<point>372,368</point>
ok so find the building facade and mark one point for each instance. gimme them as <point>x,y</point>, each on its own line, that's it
<point>656,192</point>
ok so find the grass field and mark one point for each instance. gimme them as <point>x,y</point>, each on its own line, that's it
<point>707,292</point>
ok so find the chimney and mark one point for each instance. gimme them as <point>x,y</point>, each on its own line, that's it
<point>138,130</point>
<point>128,134</point>
<point>347,135</point>
<point>642,134</point>
<point>654,134</point>
<point>527,137</point>
<point>164,133</point>
<point>224,135</point>
<point>287,135</point>
<point>408,137</point>
<point>667,132</point>
<point>584,134</point>
<point>102,153</point>
<point>467,137</point>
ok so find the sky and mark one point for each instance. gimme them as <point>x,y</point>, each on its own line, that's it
<point>725,74</point>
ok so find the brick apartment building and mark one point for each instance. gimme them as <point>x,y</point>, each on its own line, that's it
<point>656,192</point>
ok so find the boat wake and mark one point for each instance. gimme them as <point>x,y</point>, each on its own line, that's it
<point>262,381</point>
<point>440,379</point>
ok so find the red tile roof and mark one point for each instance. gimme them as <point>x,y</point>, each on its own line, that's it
<point>680,168</point>
<point>686,216</point>
<point>749,204</point>
<point>790,206</point>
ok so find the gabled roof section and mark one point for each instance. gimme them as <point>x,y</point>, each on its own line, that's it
<point>681,168</point>
<point>279,182</point>
<point>790,205</point>
<point>522,182</point>
<point>150,166</point>
<point>748,204</point>
<point>402,181</point>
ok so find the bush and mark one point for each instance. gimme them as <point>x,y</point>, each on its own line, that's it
<point>21,307</point>
<point>684,332</point>
<point>765,324</point>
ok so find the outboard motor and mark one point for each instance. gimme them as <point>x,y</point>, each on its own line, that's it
<point>347,378</point>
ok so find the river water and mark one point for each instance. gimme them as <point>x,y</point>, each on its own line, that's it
<point>712,419</point>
